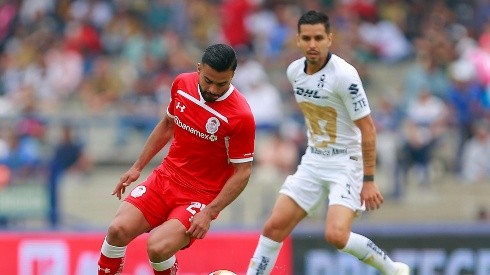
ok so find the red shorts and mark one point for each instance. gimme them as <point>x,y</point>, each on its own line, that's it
<point>160,199</point>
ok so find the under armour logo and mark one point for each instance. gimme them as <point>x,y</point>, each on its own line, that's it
<point>105,270</point>
<point>180,107</point>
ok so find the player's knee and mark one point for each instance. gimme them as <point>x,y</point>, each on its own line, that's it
<point>118,235</point>
<point>158,251</point>
<point>275,230</point>
<point>337,237</point>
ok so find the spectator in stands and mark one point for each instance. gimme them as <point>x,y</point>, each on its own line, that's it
<point>141,108</point>
<point>425,123</point>
<point>8,158</point>
<point>385,39</point>
<point>25,157</point>
<point>69,156</point>
<point>65,67</point>
<point>8,9</point>
<point>387,118</point>
<point>476,154</point>
<point>270,29</point>
<point>39,77</point>
<point>101,87</point>
<point>424,73</point>
<point>263,97</point>
<point>22,156</point>
<point>464,101</point>
<point>481,57</point>
<point>233,14</point>
<point>96,12</point>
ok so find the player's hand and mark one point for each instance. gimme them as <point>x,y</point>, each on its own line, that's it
<point>127,178</point>
<point>200,224</point>
<point>370,196</point>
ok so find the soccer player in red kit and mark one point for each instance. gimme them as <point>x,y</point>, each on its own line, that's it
<point>208,165</point>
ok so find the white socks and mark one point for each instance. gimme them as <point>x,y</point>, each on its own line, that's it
<point>365,250</point>
<point>264,257</point>
<point>164,265</point>
<point>111,251</point>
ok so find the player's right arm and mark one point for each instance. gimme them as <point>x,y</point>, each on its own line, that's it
<point>158,138</point>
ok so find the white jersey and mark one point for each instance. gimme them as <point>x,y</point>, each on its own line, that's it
<point>331,100</point>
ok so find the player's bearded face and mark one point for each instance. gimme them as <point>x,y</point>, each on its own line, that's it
<point>315,42</point>
<point>213,84</point>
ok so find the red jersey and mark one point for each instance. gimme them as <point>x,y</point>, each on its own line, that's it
<point>208,136</point>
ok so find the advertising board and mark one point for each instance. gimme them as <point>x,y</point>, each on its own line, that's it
<point>78,253</point>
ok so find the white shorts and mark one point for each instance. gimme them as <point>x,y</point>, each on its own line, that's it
<point>337,177</point>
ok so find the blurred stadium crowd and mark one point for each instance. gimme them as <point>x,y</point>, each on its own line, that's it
<point>73,64</point>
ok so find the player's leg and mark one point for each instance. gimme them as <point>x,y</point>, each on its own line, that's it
<point>128,223</point>
<point>299,196</point>
<point>168,238</point>
<point>338,233</point>
<point>163,244</point>
<point>344,205</point>
<point>285,215</point>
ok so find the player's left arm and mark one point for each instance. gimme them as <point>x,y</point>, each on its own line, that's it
<point>232,188</point>
<point>370,194</point>
<point>357,104</point>
<point>201,222</point>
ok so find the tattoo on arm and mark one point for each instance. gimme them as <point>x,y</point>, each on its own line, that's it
<point>369,153</point>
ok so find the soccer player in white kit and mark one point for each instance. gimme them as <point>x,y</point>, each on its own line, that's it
<point>340,160</point>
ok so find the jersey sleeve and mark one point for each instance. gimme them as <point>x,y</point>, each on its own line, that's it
<point>291,71</point>
<point>352,93</point>
<point>173,92</point>
<point>241,143</point>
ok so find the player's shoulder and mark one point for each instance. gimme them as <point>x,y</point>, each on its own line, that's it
<point>238,95</point>
<point>185,81</point>
<point>238,103</point>
<point>298,64</point>
<point>341,65</point>
<point>296,67</point>
<point>240,98</point>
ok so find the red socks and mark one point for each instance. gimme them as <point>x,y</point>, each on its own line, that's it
<point>110,266</point>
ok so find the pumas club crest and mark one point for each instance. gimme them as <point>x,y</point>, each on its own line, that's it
<point>212,127</point>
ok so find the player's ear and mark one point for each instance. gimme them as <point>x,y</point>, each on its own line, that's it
<point>199,67</point>
<point>330,38</point>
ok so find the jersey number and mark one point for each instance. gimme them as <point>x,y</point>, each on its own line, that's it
<point>321,122</point>
<point>195,205</point>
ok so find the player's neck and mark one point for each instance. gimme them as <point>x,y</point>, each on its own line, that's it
<point>311,68</point>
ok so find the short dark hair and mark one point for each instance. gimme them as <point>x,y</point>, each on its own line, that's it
<point>314,17</point>
<point>220,57</point>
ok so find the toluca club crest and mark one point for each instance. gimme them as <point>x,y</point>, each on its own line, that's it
<point>212,127</point>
